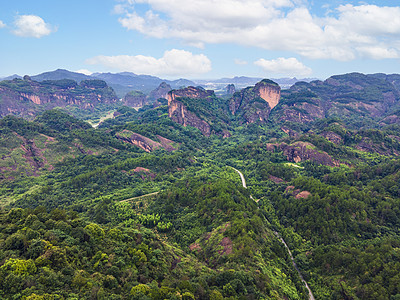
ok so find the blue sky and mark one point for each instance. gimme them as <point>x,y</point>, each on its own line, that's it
<point>200,38</point>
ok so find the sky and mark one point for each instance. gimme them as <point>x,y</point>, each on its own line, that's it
<point>201,39</point>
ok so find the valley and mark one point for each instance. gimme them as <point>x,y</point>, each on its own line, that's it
<point>263,193</point>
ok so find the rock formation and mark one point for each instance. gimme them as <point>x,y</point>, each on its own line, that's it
<point>230,89</point>
<point>190,92</point>
<point>135,99</point>
<point>179,112</point>
<point>160,92</point>
<point>145,143</point>
<point>25,97</point>
<point>255,103</point>
<point>346,96</point>
<point>301,151</point>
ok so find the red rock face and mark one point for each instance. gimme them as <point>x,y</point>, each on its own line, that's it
<point>255,103</point>
<point>139,140</point>
<point>145,143</point>
<point>189,92</point>
<point>271,94</point>
<point>25,100</point>
<point>345,95</point>
<point>301,151</point>
<point>302,112</point>
<point>178,112</point>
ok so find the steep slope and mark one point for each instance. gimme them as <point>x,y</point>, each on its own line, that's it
<point>160,92</point>
<point>202,109</point>
<point>137,99</point>
<point>349,96</point>
<point>179,112</point>
<point>255,103</point>
<point>134,99</point>
<point>27,97</point>
<point>34,148</point>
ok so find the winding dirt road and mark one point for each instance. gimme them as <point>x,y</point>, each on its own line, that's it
<point>241,177</point>
<point>143,196</point>
<point>311,296</point>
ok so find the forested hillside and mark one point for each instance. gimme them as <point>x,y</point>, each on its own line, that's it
<point>147,207</point>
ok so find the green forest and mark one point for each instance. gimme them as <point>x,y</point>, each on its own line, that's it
<point>87,214</point>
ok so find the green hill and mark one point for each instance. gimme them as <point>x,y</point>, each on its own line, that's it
<point>146,207</point>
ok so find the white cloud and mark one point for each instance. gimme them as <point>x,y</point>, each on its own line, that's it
<point>346,33</point>
<point>85,72</point>
<point>2,25</point>
<point>240,61</point>
<point>32,26</point>
<point>284,67</point>
<point>370,19</point>
<point>173,63</point>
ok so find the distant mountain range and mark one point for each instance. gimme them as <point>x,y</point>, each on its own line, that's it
<point>126,82</point>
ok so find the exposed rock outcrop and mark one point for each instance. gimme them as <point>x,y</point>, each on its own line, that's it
<point>301,151</point>
<point>230,89</point>
<point>332,137</point>
<point>145,143</point>
<point>160,92</point>
<point>346,96</point>
<point>255,103</point>
<point>298,194</point>
<point>25,97</point>
<point>135,99</point>
<point>368,145</point>
<point>179,113</point>
<point>190,92</point>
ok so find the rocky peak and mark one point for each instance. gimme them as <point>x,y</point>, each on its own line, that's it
<point>135,99</point>
<point>347,96</point>
<point>230,89</point>
<point>269,91</point>
<point>160,92</point>
<point>255,103</point>
<point>190,92</point>
<point>179,113</point>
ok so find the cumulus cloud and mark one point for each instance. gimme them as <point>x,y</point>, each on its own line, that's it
<point>173,63</point>
<point>2,25</point>
<point>32,26</point>
<point>284,67</point>
<point>346,33</point>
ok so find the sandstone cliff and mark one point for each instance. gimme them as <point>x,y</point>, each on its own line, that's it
<point>190,92</point>
<point>180,113</point>
<point>145,143</point>
<point>301,151</point>
<point>255,103</point>
<point>25,97</point>
<point>301,107</point>
<point>349,96</point>
<point>135,99</point>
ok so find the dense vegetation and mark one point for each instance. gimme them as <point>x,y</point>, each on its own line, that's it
<point>86,215</point>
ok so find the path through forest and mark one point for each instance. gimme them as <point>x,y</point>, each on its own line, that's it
<point>311,296</point>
